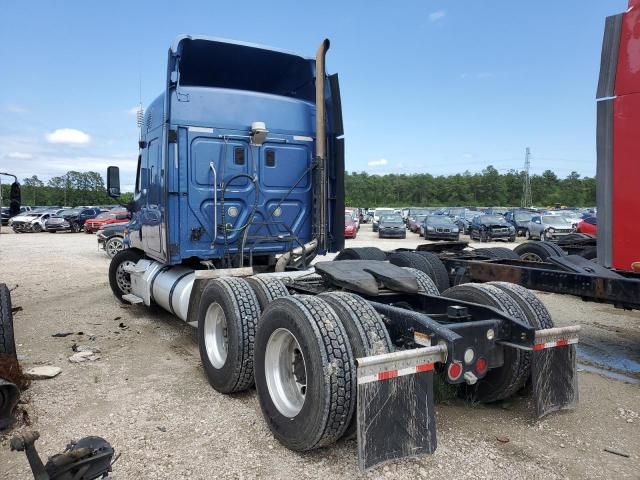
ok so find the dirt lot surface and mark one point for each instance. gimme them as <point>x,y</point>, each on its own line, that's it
<point>147,393</point>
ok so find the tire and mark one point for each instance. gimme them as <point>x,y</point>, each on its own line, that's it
<point>440,276</point>
<point>365,329</point>
<point>362,253</point>
<point>7,340</point>
<point>76,227</point>
<point>120,281</point>
<point>498,253</point>
<point>512,239</point>
<point>537,251</point>
<point>556,248</point>
<point>324,396</point>
<point>37,228</point>
<point>425,283</point>
<point>412,260</point>
<point>113,246</point>
<point>502,382</point>
<point>527,234</point>
<point>537,314</point>
<point>483,236</point>
<point>404,235</point>
<point>51,231</point>
<point>267,289</point>
<point>228,315</point>
<point>543,237</point>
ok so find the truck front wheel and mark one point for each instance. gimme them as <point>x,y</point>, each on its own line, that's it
<point>119,278</point>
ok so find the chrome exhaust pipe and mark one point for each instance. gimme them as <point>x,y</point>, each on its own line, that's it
<point>306,249</point>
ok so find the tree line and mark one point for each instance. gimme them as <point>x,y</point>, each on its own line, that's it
<point>487,188</point>
<point>71,189</point>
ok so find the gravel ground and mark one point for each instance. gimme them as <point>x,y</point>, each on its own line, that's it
<point>148,395</point>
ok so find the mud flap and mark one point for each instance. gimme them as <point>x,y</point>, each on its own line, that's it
<point>396,417</point>
<point>553,370</point>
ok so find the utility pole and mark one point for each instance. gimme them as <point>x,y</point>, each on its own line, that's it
<point>526,183</point>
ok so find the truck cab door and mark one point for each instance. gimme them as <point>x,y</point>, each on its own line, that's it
<point>151,208</point>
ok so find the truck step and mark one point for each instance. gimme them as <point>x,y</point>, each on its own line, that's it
<point>132,299</point>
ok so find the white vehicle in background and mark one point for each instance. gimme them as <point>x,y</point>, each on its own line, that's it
<point>29,222</point>
<point>378,213</point>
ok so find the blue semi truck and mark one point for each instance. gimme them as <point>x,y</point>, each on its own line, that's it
<point>239,186</point>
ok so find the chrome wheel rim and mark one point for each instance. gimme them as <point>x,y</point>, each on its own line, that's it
<point>215,335</point>
<point>531,257</point>
<point>114,246</point>
<point>285,372</point>
<point>123,278</point>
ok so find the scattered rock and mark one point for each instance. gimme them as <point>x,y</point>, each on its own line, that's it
<point>62,335</point>
<point>43,372</point>
<point>162,429</point>
<point>85,348</point>
<point>503,439</point>
<point>84,357</point>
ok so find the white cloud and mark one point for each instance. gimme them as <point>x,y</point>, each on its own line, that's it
<point>19,155</point>
<point>69,136</point>
<point>133,110</point>
<point>377,163</point>
<point>437,15</point>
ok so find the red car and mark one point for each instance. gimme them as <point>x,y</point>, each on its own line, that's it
<point>350,227</point>
<point>588,225</point>
<point>106,218</point>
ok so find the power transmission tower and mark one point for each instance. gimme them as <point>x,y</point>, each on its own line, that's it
<point>526,183</point>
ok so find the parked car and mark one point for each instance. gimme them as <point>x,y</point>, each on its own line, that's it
<point>6,216</point>
<point>105,218</point>
<point>415,221</point>
<point>350,226</point>
<point>355,215</point>
<point>392,226</point>
<point>588,225</point>
<point>71,219</point>
<point>414,212</point>
<point>29,222</point>
<point>379,212</point>
<point>439,227</point>
<point>111,238</point>
<point>520,220</point>
<point>463,219</point>
<point>549,227</point>
<point>491,227</point>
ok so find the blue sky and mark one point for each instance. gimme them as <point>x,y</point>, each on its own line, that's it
<point>437,86</point>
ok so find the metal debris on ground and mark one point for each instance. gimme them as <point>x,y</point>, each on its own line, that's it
<point>616,452</point>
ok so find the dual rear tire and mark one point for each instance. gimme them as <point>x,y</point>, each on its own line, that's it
<point>300,352</point>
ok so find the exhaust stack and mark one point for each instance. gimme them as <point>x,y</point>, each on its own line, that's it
<point>320,207</point>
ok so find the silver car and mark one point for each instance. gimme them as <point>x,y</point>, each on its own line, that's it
<point>548,227</point>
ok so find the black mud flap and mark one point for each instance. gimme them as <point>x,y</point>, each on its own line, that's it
<point>9,395</point>
<point>553,370</point>
<point>396,416</point>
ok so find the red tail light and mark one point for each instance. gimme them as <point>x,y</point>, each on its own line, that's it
<point>481,366</point>
<point>454,371</point>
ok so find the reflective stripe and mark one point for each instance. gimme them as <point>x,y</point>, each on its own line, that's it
<point>388,374</point>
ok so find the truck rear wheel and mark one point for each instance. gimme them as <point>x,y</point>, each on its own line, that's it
<point>504,381</point>
<point>119,279</point>
<point>425,284</point>
<point>537,314</point>
<point>227,317</point>
<point>365,329</point>
<point>538,251</point>
<point>305,372</point>
<point>440,275</point>
<point>7,341</point>
<point>267,289</point>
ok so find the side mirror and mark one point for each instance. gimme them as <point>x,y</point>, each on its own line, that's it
<point>113,182</point>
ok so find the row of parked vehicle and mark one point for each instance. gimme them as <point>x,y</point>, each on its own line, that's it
<point>53,220</point>
<point>480,224</point>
